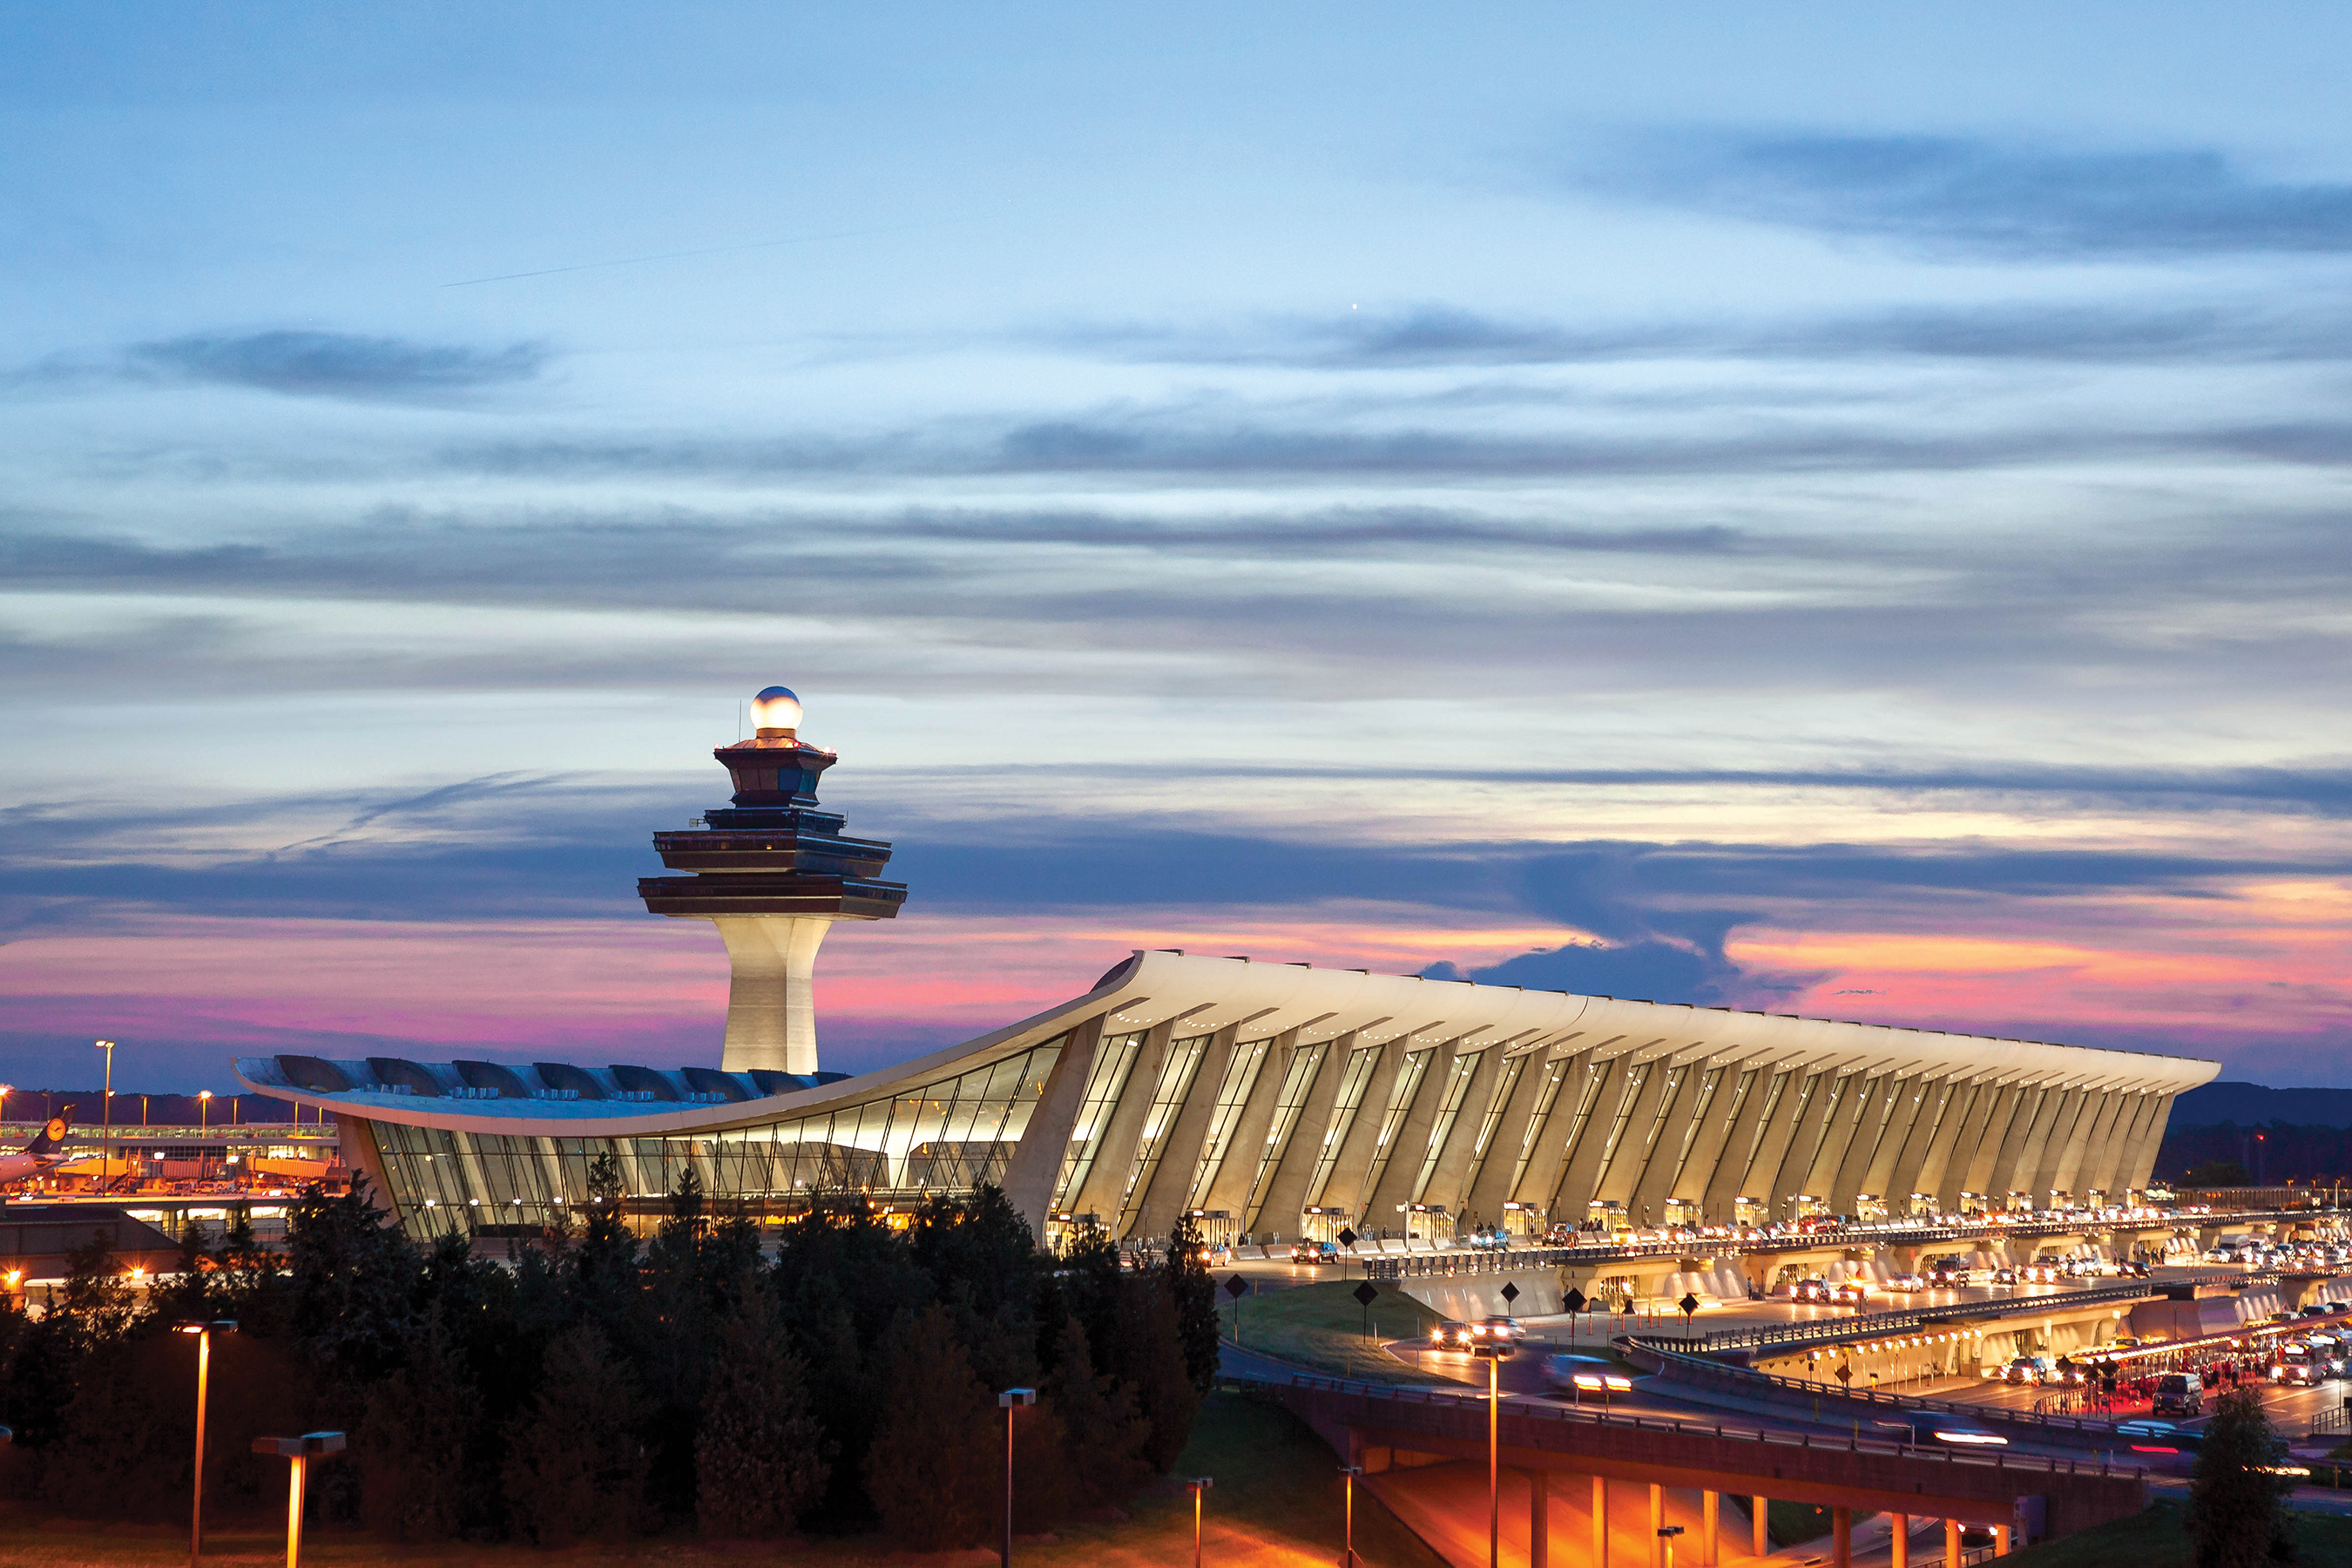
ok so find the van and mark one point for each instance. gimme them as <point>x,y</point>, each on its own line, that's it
<point>2179,1393</point>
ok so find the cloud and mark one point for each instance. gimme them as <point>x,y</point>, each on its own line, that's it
<point>1438,335</point>
<point>1961,195</point>
<point>303,363</point>
<point>1647,971</point>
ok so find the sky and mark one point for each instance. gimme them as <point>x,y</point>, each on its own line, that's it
<point>1837,512</point>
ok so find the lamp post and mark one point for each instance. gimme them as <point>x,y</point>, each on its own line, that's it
<point>299,1452</point>
<point>203,1110</point>
<point>1009,1401</point>
<point>1352,1472</point>
<point>1666,1533</point>
<point>1200,1485</point>
<point>5,1091</point>
<point>204,1333</point>
<point>105,1114</point>
<point>1493,1457</point>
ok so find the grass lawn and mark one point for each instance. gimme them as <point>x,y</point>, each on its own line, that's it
<point>1322,1326</point>
<point>1277,1504</point>
<point>2155,1540</point>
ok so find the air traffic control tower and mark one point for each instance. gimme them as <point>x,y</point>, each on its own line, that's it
<point>773,874</point>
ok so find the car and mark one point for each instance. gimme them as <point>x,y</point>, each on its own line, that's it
<point>2029,1369</point>
<point>1961,1432</point>
<point>1313,1252</point>
<point>1810,1290</point>
<point>2312,1311</point>
<point>1578,1376</point>
<point>2004,1275</point>
<point>1497,1336</point>
<point>2159,1438</point>
<point>1850,1293</point>
<point>1907,1282</point>
<point>1450,1335</point>
<point>2179,1393</point>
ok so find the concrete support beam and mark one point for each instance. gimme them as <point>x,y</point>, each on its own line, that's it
<point>1710,1520</point>
<point>1759,1520</point>
<point>1899,1543</point>
<point>1841,1538</point>
<point>1600,1522</point>
<point>770,1003</point>
<point>1951,1543</point>
<point>1539,1519</point>
<point>1657,1524</point>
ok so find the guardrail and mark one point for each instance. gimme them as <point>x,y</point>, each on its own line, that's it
<point>1411,1393</point>
<point>1772,1335</point>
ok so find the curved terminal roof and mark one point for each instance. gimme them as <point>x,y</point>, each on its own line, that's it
<point>1204,994</point>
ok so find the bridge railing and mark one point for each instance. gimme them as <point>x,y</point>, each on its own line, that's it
<point>1784,1335</point>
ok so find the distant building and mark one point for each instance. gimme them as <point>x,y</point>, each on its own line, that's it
<point>1269,1099</point>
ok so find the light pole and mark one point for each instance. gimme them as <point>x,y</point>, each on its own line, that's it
<point>1009,1401</point>
<point>5,1091</point>
<point>204,1111</point>
<point>1666,1533</point>
<point>1352,1472</point>
<point>1200,1485</point>
<point>203,1332</point>
<point>105,1114</point>
<point>299,1451</point>
<point>1493,1457</point>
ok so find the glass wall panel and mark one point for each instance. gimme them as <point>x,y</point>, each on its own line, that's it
<point>1105,1082</point>
<point>948,1136</point>
<point>1352,1084</point>
<point>1290,1102</point>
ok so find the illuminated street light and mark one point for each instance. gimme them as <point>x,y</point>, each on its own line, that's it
<point>203,1110</point>
<point>1200,1485</point>
<point>1009,1401</point>
<point>1352,1472</point>
<point>299,1452</point>
<point>204,1333</point>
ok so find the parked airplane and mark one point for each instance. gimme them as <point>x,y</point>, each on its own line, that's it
<point>46,1151</point>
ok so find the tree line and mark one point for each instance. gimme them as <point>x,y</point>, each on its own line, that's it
<point>594,1387</point>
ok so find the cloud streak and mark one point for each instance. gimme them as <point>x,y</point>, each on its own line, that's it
<point>1959,195</point>
<point>296,362</point>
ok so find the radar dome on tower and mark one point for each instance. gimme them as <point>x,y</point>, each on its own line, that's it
<point>775,713</point>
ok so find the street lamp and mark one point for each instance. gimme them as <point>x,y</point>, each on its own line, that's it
<point>1009,1401</point>
<point>1493,1457</point>
<point>299,1451</point>
<point>203,1332</point>
<point>1200,1485</point>
<point>5,1091</point>
<point>1352,1472</point>
<point>203,1110</point>
<point>1666,1533</point>
<point>105,1114</point>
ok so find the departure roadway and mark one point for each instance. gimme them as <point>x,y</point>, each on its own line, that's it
<point>1447,1502</point>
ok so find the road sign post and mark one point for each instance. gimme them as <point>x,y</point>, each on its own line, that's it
<point>1237,1288</point>
<point>1366,1295</point>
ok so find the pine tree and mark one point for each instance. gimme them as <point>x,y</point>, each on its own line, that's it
<point>574,1466</point>
<point>932,1470</point>
<point>761,1456</point>
<point>1195,1293</point>
<point>1147,1356</point>
<point>412,1452</point>
<point>2237,1506</point>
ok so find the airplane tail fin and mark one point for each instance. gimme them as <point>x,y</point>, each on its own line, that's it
<point>50,1136</point>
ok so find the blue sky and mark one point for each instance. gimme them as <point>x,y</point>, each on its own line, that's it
<point>1837,512</point>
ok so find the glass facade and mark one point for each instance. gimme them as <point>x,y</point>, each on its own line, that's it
<point>1459,1075</point>
<point>948,1136</point>
<point>1296,1079</point>
<point>1353,1081</point>
<point>1232,1097</point>
<point>1105,1082</point>
<point>1175,1081</point>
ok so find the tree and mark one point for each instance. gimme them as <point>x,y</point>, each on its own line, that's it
<point>761,1456</point>
<point>1147,1354</point>
<point>1103,1433</point>
<point>412,1452</point>
<point>575,1467</point>
<point>933,1468</point>
<point>2218,1173</point>
<point>1195,1293</point>
<point>2237,1506</point>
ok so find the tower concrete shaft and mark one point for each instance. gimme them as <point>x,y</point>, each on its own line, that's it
<point>774,874</point>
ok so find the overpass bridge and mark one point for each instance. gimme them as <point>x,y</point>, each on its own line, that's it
<point>1553,1449</point>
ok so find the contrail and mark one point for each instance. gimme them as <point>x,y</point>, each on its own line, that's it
<point>676,255</point>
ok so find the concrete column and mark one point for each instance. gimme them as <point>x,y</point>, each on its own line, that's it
<point>1951,1543</point>
<point>1539,1519</point>
<point>1841,1538</point>
<point>771,1007</point>
<point>1657,1522</point>
<point>1900,1542</point>
<point>1760,1521</point>
<point>2000,1540</point>
<point>1710,1514</point>
<point>1600,1522</point>
<point>2142,1160</point>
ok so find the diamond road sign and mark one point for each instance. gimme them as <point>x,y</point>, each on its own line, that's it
<point>1688,1304</point>
<point>1366,1294</point>
<point>1574,1301</point>
<point>1236,1285</point>
<point>1510,1292</point>
<point>1347,1236</point>
<point>1844,1373</point>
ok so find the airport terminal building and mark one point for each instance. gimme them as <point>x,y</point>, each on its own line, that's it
<point>1270,1100</point>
